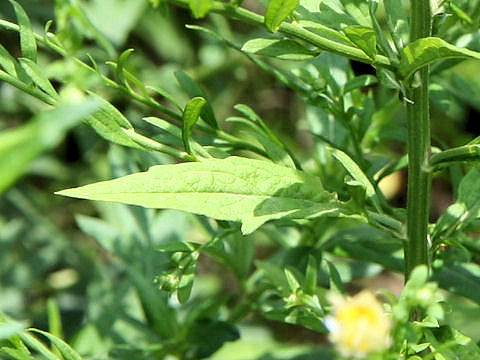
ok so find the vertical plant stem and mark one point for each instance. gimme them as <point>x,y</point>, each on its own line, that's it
<point>419,178</point>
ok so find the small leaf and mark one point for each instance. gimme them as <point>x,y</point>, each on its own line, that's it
<point>28,44</point>
<point>364,38</point>
<point>190,117</point>
<point>193,90</point>
<point>235,189</point>
<point>293,283</point>
<point>427,50</point>
<point>38,77</point>
<point>7,61</point>
<point>285,49</point>
<point>200,8</point>
<point>277,11</point>
<point>122,61</point>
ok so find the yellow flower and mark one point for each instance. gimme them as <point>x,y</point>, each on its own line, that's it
<point>359,325</point>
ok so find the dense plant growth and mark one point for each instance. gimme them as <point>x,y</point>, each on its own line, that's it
<point>277,220</point>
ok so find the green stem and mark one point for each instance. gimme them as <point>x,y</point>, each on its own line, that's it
<point>419,176</point>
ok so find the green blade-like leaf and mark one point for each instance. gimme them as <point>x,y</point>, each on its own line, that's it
<point>120,68</point>
<point>28,44</point>
<point>67,352</point>
<point>38,77</point>
<point>236,189</point>
<point>427,50</point>
<point>190,116</point>
<point>277,11</point>
<point>285,49</point>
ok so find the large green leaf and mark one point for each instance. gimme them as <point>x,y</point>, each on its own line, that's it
<point>427,50</point>
<point>235,188</point>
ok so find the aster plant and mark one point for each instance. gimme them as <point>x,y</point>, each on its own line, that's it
<point>365,74</point>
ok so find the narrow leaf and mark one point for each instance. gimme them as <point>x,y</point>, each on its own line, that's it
<point>67,352</point>
<point>277,11</point>
<point>28,44</point>
<point>120,68</point>
<point>235,188</point>
<point>427,50</point>
<point>190,117</point>
<point>38,77</point>
<point>7,61</point>
<point>285,49</point>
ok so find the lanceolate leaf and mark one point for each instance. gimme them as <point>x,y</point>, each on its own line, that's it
<point>277,11</point>
<point>235,188</point>
<point>425,51</point>
<point>27,38</point>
